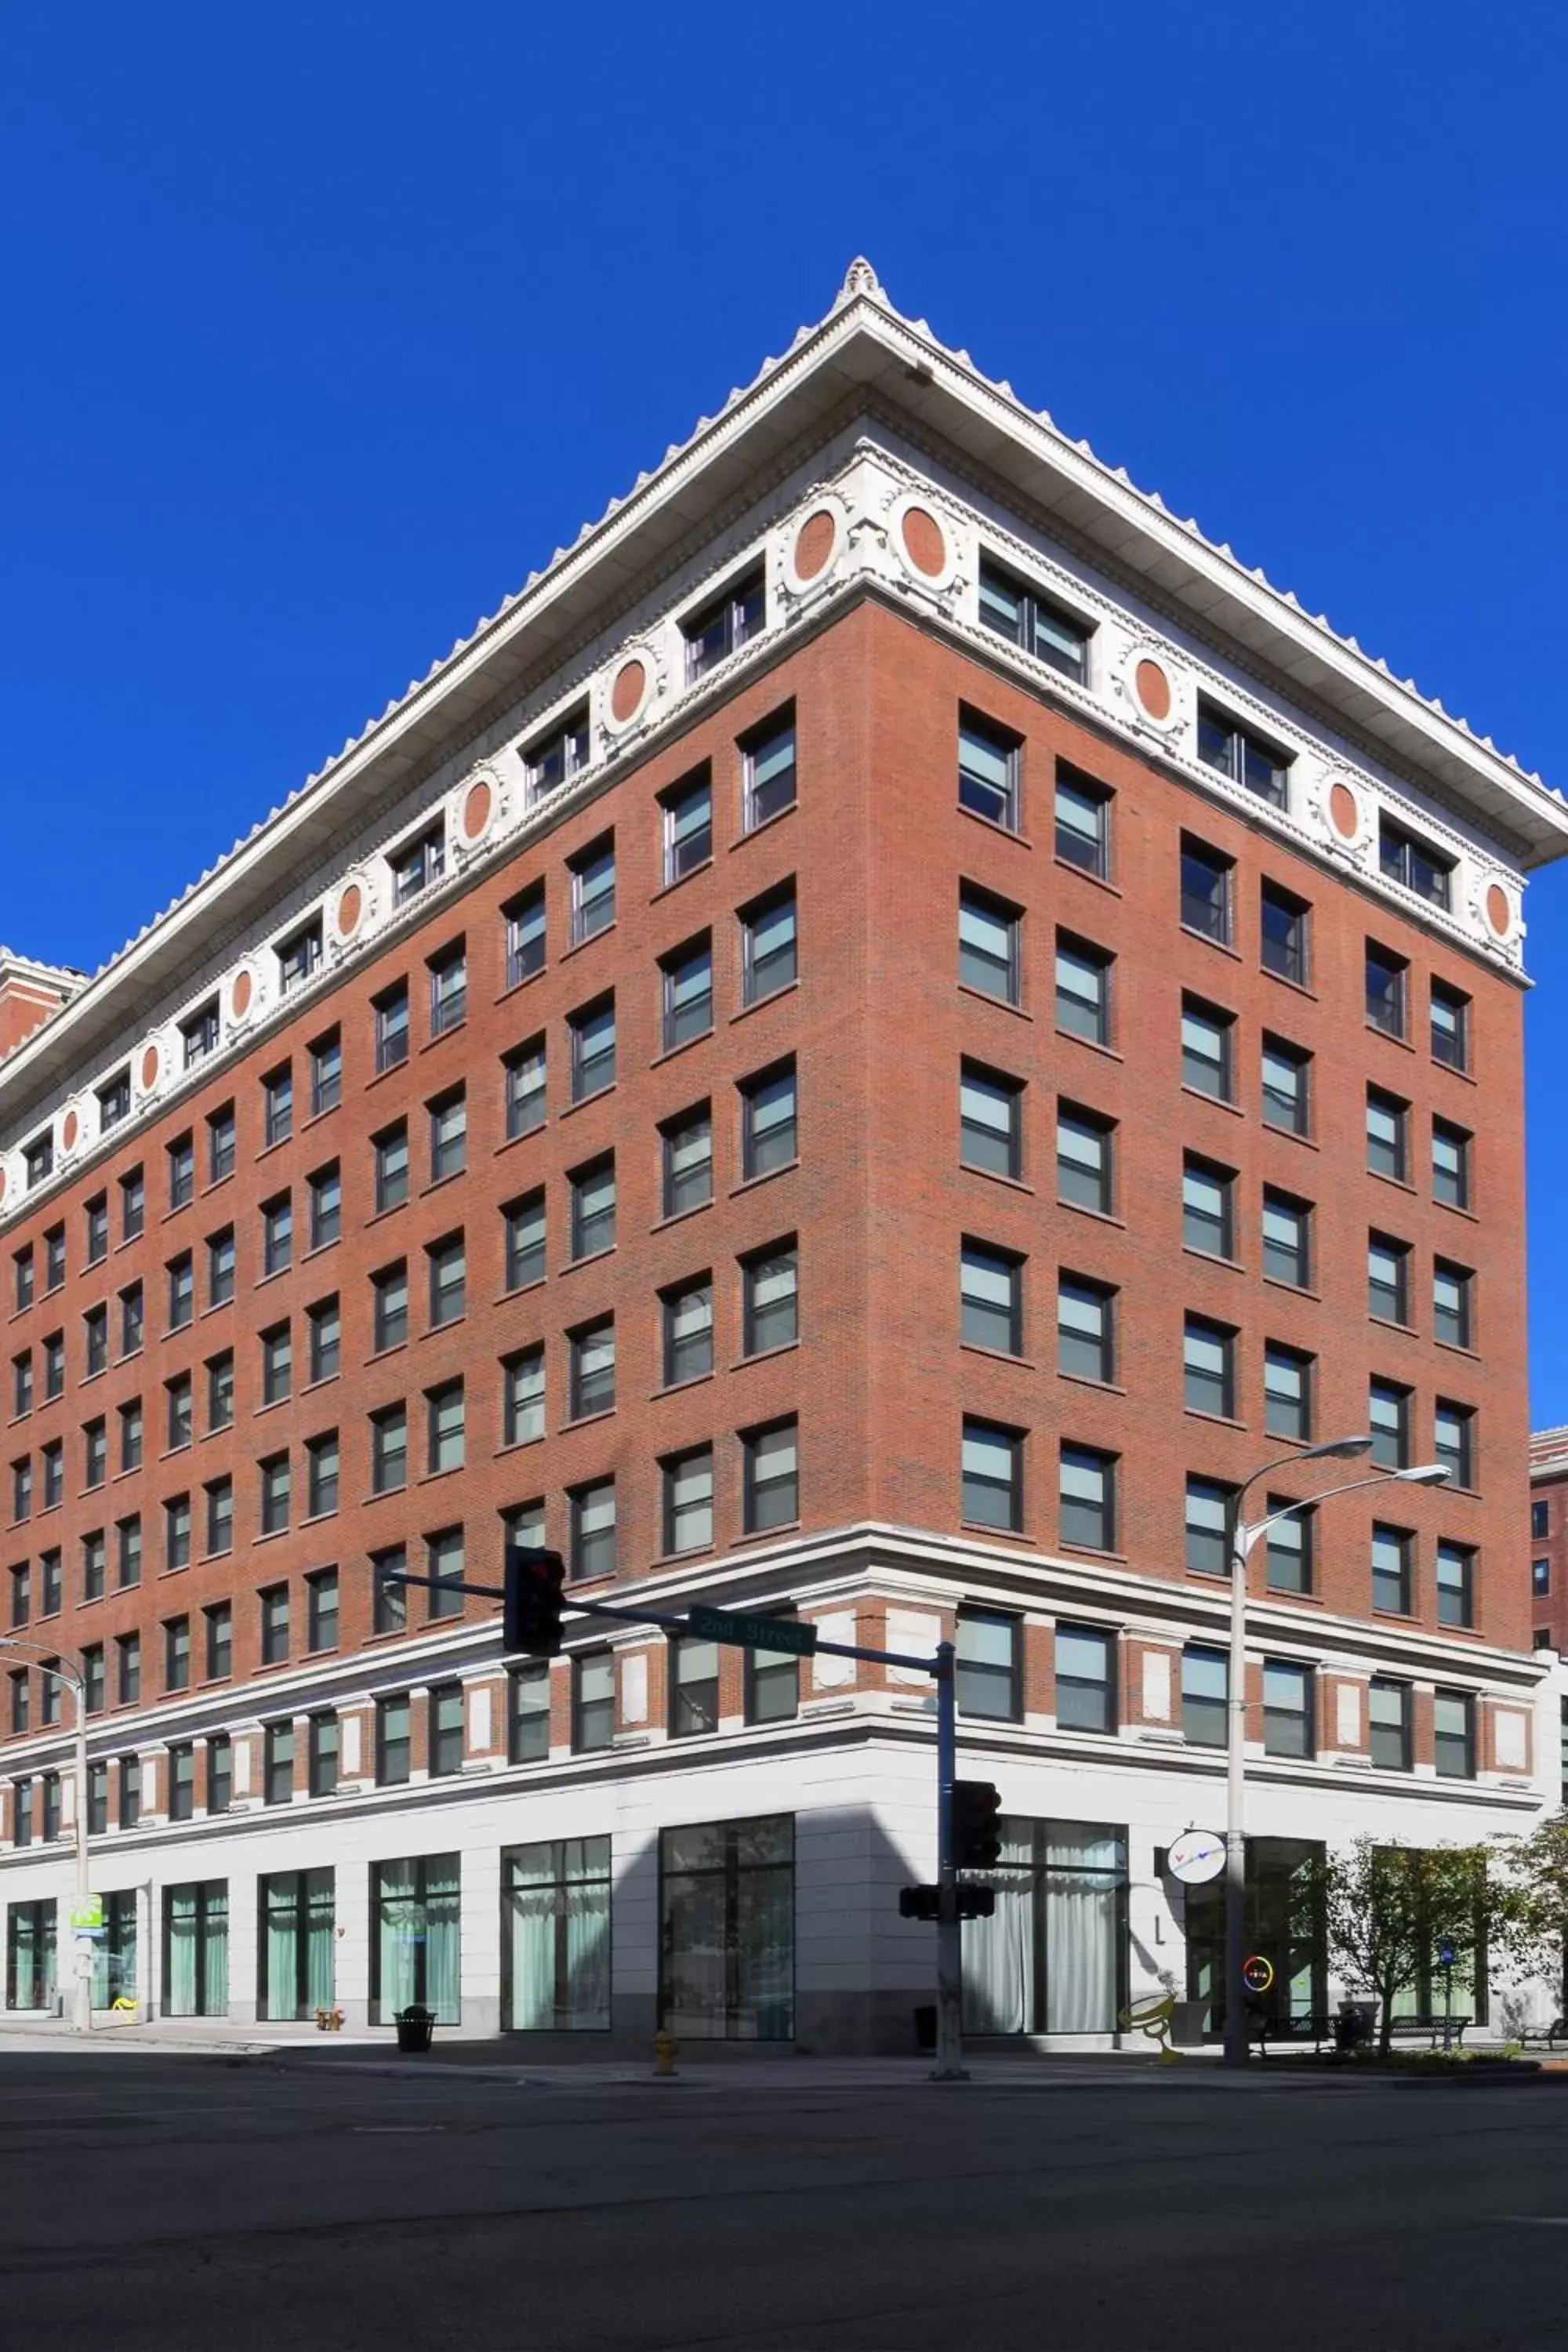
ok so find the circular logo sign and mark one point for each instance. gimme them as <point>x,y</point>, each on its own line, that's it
<point>1258,1974</point>
<point>1195,1857</point>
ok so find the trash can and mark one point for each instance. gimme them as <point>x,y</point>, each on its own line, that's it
<point>416,2027</point>
<point>925,2027</point>
<point>1353,2024</point>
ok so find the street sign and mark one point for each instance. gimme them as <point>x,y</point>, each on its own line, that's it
<point>752,1632</point>
<point>87,1914</point>
<point>1258,1974</point>
<point>1195,1857</point>
<point>1444,1954</point>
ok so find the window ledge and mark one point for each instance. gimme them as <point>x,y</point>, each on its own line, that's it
<point>1390,1323</point>
<point>1213,1257</point>
<point>439,1331</point>
<point>1221,1419</point>
<point>593,1257</point>
<point>523,1290</point>
<point>994,825</point>
<point>439,1183</point>
<point>453,1029</point>
<point>380,1355</point>
<point>673,1053</point>
<point>766,1535</point>
<point>1215,1102</point>
<point>586,1420</point>
<point>516,987</point>
<point>1292,1134</point>
<point>1400,1183</point>
<point>320,1249</point>
<point>379,1216</point>
<point>511,1142</point>
<point>754,832</point>
<point>997,1355</point>
<point>774,996</point>
<point>519,1445</point>
<point>704,865</point>
<point>678,1216</point>
<point>1092,1046</point>
<point>1297,987</point>
<point>1101,1216</point>
<point>315,1120</point>
<point>749,1184</point>
<point>1388,1037</point>
<point>994,1176</point>
<point>261,1284</point>
<point>260,1409</point>
<point>1207,939</point>
<point>1006,1535</point>
<point>1455,1209</point>
<point>434,1477</point>
<point>1093,1551</point>
<point>575,946</point>
<point>215,1307</point>
<point>378,1078</point>
<point>764,1355</point>
<point>585,1102</point>
<point>1087,874</point>
<point>983,996</point>
<point>1087,1381</point>
<point>1294,1290</point>
<point>678,1388</point>
<point>1457,1347</point>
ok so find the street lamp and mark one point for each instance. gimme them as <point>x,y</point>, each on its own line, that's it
<point>1244,1535</point>
<point>81,1983</point>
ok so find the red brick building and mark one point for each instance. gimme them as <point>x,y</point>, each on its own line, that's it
<point>881,1036</point>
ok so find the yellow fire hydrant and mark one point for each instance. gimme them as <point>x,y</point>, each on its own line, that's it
<point>665,2046</point>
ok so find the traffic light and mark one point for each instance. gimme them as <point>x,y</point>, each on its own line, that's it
<point>977,1833</point>
<point>531,1610</point>
<point>919,1902</point>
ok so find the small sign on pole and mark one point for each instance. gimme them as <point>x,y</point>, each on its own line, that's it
<point>789,1633</point>
<point>87,1916</point>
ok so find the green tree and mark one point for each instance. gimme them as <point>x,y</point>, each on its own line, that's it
<point>1387,1909</point>
<point>1534,1927</point>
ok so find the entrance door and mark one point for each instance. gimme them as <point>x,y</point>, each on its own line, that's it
<point>296,1957</point>
<point>1284,1925</point>
<point>195,1948</point>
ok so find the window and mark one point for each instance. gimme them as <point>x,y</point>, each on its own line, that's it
<point>391,1012</point>
<point>1392,1551</point>
<point>219,1518</point>
<point>1288,1548</point>
<point>990,1121</point>
<point>389,1602</point>
<point>528,1740</point>
<point>325,1329</point>
<point>1086,1679</point>
<point>769,1298</point>
<point>132,1208</point>
<point>448,989</point>
<point>326,1073</point>
<point>389,1293</point>
<point>1085,1158</point>
<point>325,1189</point>
<point>1385,977</point>
<point>525,1089</point>
<point>1082,821</point>
<point>1207,1526</point>
<point>1456,1584</point>
<point>446,1732</point>
<point>593,1191</point>
<point>1454,1735</point>
<point>1086,1327</point>
<point>1287,1391</point>
<point>1018,612</point>
<point>49,1689</point>
<point>176,1653</point>
<point>1206,1049</point>
<point>1450,1027</point>
<point>131,1319</point>
<point>1287,1709</point>
<point>1387,1129</point>
<point>1454,1442</point>
<point>448,1263</point>
<point>988,944</point>
<point>593,1033</point>
<point>277,1235</point>
<point>131,1435</point>
<point>768,1128</point>
<point>21,1696</point>
<point>685,993</point>
<point>220,1267</point>
<point>686,1158</point>
<point>525,936</point>
<point>688,814</point>
<point>181,1291</point>
<point>277,1106</point>
<point>1284,933</point>
<point>1088,1498</point>
<point>299,956</point>
<point>321,1763</point>
<point>22,1488</point>
<point>419,864</point>
<point>52,1599</point>
<point>182,1172</point>
<point>1451,1288</point>
<point>54,1257</point>
<point>688,1320</point>
<point>95,1325</point>
<point>1388,1718</point>
<point>114,1102</point>
<point>444,1561</point>
<point>21,1595</point>
<point>54,1365</point>
<point>23,1263</point>
<point>181,1765</point>
<point>446,1423</point>
<point>769,773</point>
<point>593,1702</point>
<point>721,627</point>
<point>1208,1210</point>
<point>449,1135</point>
<point>390,1149</point>
<point>1413,863</point>
<point>593,877</point>
<point>96,1799</point>
<point>1242,756</point>
<point>1083,990</point>
<point>199,1034</point>
<point>1286,1239</point>
<point>1539,1579</point>
<point>22,1393</point>
<point>988,762</point>
<point>393,1742</point>
<point>991,1298</point>
<point>127,1669</point>
<point>593,1517</point>
<point>277,1364</point>
<point>1207,878</point>
<point>1205,1696</point>
<point>560,755</point>
<point>94,1566</point>
<point>321,1475</point>
<point>129,1791</point>
<point>52,1458</point>
<point>523,1231</point>
<point>1388,1418</point>
<point>1208,1367</point>
<point>275,1494</point>
<point>127,1552</point>
<point>770,1477</point>
<point>769,959</point>
<point>693,1687</point>
<point>989,1669</point>
<point>522,1397</point>
<point>1387,1278</point>
<point>689,1500</point>
<point>1450,1164</point>
<point>591,1369</point>
<point>218,1620</point>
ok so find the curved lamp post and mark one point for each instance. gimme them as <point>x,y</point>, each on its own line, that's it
<point>81,1982</point>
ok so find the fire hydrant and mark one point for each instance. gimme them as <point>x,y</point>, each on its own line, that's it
<point>665,2046</point>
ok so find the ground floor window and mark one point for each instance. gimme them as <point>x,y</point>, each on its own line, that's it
<point>727,1931</point>
<point>1284,1924</point>
<point>195,1948</point>
<point>114,1952</point>
<point>555,1936</point>
<point>1052,1957</point>
<point>415,1935</point>
<point>297,1915</point>
<point>30,1956</point>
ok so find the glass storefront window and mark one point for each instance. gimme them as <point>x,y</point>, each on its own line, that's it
<point>30,1956</point>
<point>416,1937</point>
<point>298,1915</point>
<point>555,1923</point>
<point>727,1931</point>
<point>114,1952</point>
<point>1284,1922</point>
<point>195,1948</point>
<point>1052,1957</point>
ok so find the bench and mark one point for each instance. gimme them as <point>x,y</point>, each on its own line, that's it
<point>1433,2027</point>
<point>1548,2036</point>
<point>1317,2030</point>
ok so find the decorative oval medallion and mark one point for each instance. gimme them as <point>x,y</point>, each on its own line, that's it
<point>240,1000</point>
<point>150,1069</point>
<point>923,542</point>
<point>349,908</point>
<point>1344,815</point>
<point>814,545</point>
<point>69,1131</point>
<point>477,810</point>
<point>1500,914</point>
<point>626,693</point>
<point>1153,688</point>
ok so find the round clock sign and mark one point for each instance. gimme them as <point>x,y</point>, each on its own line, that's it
<point>1195,1857</point>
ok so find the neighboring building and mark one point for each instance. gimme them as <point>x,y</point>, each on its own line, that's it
<point>29,994</point>
<point>888,1029</point>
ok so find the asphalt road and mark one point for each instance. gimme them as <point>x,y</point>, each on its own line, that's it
<point>168,2205</point>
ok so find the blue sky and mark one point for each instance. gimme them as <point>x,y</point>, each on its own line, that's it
<point>326,322</point>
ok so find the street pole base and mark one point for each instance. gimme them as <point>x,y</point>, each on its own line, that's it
<point>948,2074</point>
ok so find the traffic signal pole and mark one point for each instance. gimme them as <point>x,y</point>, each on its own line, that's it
<point>949,2067</point>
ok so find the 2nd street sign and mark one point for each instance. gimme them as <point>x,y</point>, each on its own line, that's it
<point>752,1632</point>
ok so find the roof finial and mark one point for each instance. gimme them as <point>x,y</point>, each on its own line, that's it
<point>860,278</point>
